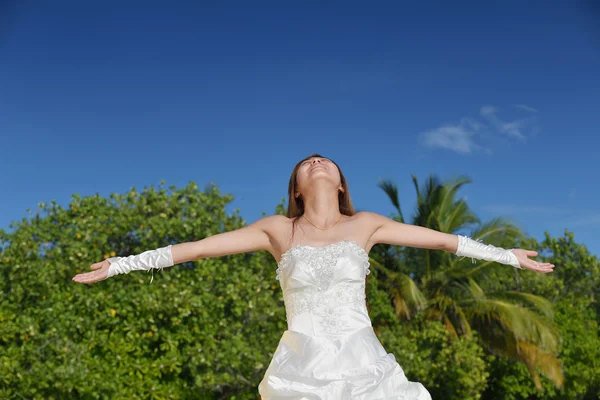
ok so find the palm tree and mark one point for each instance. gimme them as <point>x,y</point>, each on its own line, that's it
<point>510,323</point>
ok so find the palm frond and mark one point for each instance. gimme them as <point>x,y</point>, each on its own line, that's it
<point>496,230</point>
<point>460,320</point>
<point>449,193</point>
<point>417,189</point>
<point>535,358</point>
<point>470,288</point>
<point>405,293</point>
<point>450,313</point>
<point>540,304</point>
<point>391,189</point>
<point>459,217</point>
<point>525,325</point>
<point>449,326</point>
<point>441,304</point>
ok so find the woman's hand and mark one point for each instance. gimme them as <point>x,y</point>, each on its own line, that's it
<point>100,273</point>
<point>526,263</point>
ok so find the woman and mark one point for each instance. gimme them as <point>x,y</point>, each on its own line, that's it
<point>330,350</point>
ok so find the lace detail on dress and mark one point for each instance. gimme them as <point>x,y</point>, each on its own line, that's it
<point>322,258</point>
<point>324,300</point>
<point>325,304</point>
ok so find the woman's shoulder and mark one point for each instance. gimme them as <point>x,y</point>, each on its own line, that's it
<point>367,216</point>
<point>274,224</point>
<point>369,220</point>
<point>273,221</point>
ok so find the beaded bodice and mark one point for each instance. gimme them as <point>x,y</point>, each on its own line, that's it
<point>324,288</point>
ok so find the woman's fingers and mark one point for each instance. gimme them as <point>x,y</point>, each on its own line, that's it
<point>90,277</point>
<point>97,265</point>
<point>541,267</point>
<point>98,274</point>
<point>527,263</point>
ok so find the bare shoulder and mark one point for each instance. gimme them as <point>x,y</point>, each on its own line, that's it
<point>272,220</point>
<point>276,227</point>
<point>371,219</point>
<point>272,224</point>
<point>367,223</point>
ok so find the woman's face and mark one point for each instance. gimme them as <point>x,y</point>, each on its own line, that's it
<point>317,168</point>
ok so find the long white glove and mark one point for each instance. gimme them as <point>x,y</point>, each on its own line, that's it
<point>468,247</point>
<point>151,259</point>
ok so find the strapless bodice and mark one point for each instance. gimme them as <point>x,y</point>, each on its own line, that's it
<point>324,288</point>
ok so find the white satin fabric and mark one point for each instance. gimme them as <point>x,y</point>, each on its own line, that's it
<point>330,351</point>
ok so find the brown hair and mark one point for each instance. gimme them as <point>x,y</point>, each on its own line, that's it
<point>296,205</point>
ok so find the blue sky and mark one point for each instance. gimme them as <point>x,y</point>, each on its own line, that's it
<point>100,97</point>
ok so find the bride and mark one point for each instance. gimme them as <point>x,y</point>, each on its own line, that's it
<point>329,350</point>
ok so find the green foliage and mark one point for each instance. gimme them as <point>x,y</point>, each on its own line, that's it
<point>449,367</point>
<point>572,288</point>
<point>203,329</point>
<point>517,315</point>
<point>207,329</point>
<point>448,288</point>
<point>579,353</point>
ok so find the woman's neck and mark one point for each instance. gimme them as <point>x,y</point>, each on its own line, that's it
<point>323,210</point>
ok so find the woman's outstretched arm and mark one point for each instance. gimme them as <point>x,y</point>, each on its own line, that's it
<point>386,230</point>
<point>255,236</point>
<point>249,238</point>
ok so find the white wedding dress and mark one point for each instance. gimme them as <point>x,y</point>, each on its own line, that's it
<point>330,351</point>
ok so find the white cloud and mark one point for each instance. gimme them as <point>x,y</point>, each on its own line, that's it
<point>488,111</point>
<point>457,137</point>
<point>460,137</point>
<point>527,108</point>
<point>511,128</point>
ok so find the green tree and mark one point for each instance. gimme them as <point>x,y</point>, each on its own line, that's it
<point>573,289</point>
<point>207,328</point>
<point>510,323</point>
<point>449,367</point>
<point>203,329</point>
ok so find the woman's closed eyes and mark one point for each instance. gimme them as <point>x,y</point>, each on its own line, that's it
<point>309,161</point>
